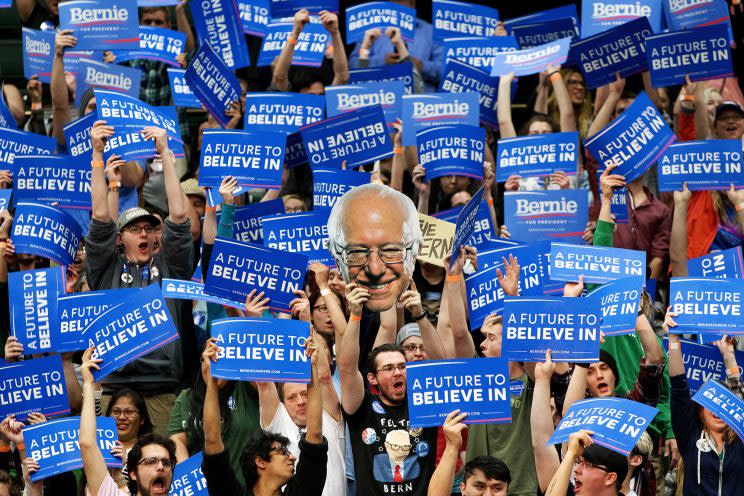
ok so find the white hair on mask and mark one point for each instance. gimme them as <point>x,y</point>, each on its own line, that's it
<point>411,229</point>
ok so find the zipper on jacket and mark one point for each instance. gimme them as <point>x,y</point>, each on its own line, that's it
<point>720,469</point>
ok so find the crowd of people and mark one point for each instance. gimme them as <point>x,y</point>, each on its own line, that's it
<point>347,431</point>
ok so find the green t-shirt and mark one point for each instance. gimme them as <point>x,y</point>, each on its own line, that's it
<point>244,421</point>
<point>510,443</point>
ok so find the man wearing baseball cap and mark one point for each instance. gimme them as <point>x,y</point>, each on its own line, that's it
<point>728,122</point>
<point>120,255</point>
<point>597,471</point>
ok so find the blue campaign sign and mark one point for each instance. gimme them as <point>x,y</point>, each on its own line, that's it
<point>254,16</point>
<point>288,8</point>
<point>440,109</point>
<point>180,89</point>
<point>537,155</point>
<point>531,60</point>
<point>465,224</point>
<point>309,49</point>
<point>45,231</point>
<point>158,44</point>
<point>236,268</point>
<point>617,423</point>
<point>212,82</point>
<point>711,305</point>
<point>117,78</point>
<point>101,25</point>
<point>391,72</point>
<point>33,307</point>
<point>14,142</point>
<point>305,232</point>
<point>684,14</point>
<point>360,18</point>
<point>75,60</point>
<point>703,165</point>
<point>61,178</point>
<point>329,185</point>
<point>700,53</point>
<point>130,144</point>
<point>55,445</point>
<point>36,385</point>
<point>192,290</point>
<point>723,403</point>
<point>477,51</point>
<point>295,155</point>
<point>76,312</point>
<point>633,141</point>
<point>37,54</point>
<point>453,19</point>
<point>286,112</point>
<point>459,77</point>
<point>347,98</point>
<point>77,136</point>
<point>600,15</point>
<point>538,33</point>
<point>188,478</point>
<point>549,214</point>
<point>703,363</point>
<point>598,264</point>
<point>452,151</point>
<point>483,232</point>
<point>6,117</point>
<point>621,49</point>
<point>726,264</point>
<point>485,296</point>
<point>619,301</point>
<point>133,328</point>
<point>247,222</point>
<point>217,24</point>
<point>128,113</point>
<point>157,3</point>
<point>357,137</point>
<point>5,198</point>
<point>478,386</point>
<point>569,327</point>
<point>544,16</point>
<point>619,205</point>
<point>255,159</point>
<point>267,350</point>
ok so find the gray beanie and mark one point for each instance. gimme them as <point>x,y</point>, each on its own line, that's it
<point>406,332</point>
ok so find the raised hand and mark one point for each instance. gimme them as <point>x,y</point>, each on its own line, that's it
<point>544,370</point>
<point>99,133</point>
<point>453,428</point>
<point>300,307</point>
<point>356,297</point>
<point>510,282</point>
<point>411,300</point>
<point>256,304</point>
<point>321,272</point>
<point>227,188</point>
<point>574,289</point>
<point>159,136</point>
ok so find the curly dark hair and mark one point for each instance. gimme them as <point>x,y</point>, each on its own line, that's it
<point>259,445</point>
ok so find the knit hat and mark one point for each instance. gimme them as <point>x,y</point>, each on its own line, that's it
<point>407,331</point>
<point>608,359</point>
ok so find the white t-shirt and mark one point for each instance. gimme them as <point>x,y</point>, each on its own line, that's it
<point>333,431</point>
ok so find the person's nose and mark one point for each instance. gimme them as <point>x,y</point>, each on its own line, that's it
<point>418,352</point>
<point>302,401</point>
<point>375,265</point>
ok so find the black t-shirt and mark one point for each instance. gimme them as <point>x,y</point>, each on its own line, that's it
<point>402,466</point>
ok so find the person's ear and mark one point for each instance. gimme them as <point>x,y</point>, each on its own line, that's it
<point>260,462</point>
<point>610,479</point>
<point>372,379</point>
<point>636,460</point>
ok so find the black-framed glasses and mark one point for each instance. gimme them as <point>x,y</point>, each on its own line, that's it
<point>282,450</point>
<point>389,253</point>
<point>389,368</point>
<point>581,461</point>
<point>575,82</point>
<point>411,348</point>
<point>138,229</point>
<point>151,461</point>
<point>399,447</point>
<point>128,412</point>
<point>321,308</point>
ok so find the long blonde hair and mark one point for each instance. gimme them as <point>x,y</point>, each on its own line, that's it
<point>585,112</point>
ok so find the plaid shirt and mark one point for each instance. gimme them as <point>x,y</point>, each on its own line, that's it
<point>648,385</point>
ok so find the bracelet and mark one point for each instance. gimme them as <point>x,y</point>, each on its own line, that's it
<point>325,292</point>
<point>739,207</point>
<point>453,278</point>
<point>96,163</point>
<point>292,40</point>
<point>421,317</point>
<point>20,446</point>
<point>364,53</point>
<point>555,76</point>
<point>5,448</point>
<point>36,106</point>
<point>114,184</point>
<point>689,98</point>
<point>3,245</point>
<point>490,202</point>
<point>114,189</point>
<point>398,150</point>
<point>731,371</point>
<point>355,318</point>
<point>673,346</point>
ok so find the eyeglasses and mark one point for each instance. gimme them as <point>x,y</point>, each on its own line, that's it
<point>282,450</point>
<point>391,253</point>
<point>321,308</point>
<point>399,447</point>
<point>413,347</point>
<point>575,82</point>
<point>139,229</point>
<point>581,461</point>
<point>153,460</point>
<point>389,368</point>
<point>129,412</point>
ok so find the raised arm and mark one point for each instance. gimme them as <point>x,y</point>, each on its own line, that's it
<point>177,210</point>
<point>60,93</point>
<point>412,302</point>
<point>268,402</point>
<point>112,172</point>
<point>608,183</point>
<point>565,107</point>
<point>94,465</point>
<point>676,363</point>
<point>454,306</point>
<point>388,329</point>
<point>577,387</point>
<point>331,403</point>
<point>604,115</point>
<point>352,382</point>
<point>423,187</point>
<point>541,424</point>
<point>211,422</point>
<point>98,189</point>
<point>444,475</point>
<point>503,107</point>
<point>650,343</point>
<point>182,22</point>
<point>678,242</point>
<point>399,161</point>
<point>577,442</point>
<point>280,79</point>
<point>340,62</point>
<point>314,432</point>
